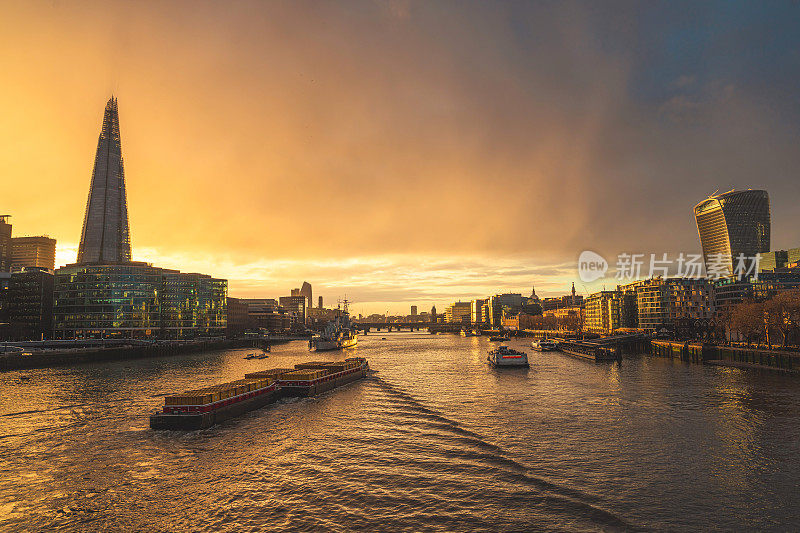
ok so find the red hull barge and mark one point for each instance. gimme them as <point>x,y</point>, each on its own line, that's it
<point>200,409</point>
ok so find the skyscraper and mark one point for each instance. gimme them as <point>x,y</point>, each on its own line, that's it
<point>731,224</point>
<point>33,252</point>
<point>5,244</point>
<point>305,290</point>
<point>106,237</point>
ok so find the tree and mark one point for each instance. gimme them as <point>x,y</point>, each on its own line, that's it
<point>783,313</point>
<point>747,318</point>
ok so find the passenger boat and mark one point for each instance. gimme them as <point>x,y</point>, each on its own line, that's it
<point>504,356</point>
<point>469,333</point>
<point>202,408</point>
<point>544,345</point>
<point>498,338</point>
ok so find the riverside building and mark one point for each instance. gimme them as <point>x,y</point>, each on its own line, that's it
<point>105,294</point>
<point>732,224</point>
<point>38,252</point>
<point>136,300</point>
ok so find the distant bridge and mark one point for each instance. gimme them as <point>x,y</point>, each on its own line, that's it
<point>392,326</point>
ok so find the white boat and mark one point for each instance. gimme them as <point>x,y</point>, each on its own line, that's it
<point>504,356</point>
<point>544,345</point>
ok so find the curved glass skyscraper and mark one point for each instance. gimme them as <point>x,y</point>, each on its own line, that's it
<point>106,236</point>
<point>730,224</point>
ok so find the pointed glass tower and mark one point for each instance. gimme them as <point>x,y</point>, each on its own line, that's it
<point>106,237</point>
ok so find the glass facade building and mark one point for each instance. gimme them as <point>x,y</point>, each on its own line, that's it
<point>136,300</point>
<point>106,235</point>
<point>730,224</point>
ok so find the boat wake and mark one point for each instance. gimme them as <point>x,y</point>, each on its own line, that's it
<point>474,449</point>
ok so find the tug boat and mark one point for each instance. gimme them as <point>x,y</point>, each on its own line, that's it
<point>544,345</point>
<point>504,356</point>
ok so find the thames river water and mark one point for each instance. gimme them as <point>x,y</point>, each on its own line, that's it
<point>434,440</point>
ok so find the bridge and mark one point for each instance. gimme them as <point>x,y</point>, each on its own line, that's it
<point>392,326</point>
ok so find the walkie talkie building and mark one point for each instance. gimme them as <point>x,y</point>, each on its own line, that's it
<point>732,224</point>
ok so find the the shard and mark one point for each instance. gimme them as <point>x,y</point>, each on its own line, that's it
<point>106,236</point>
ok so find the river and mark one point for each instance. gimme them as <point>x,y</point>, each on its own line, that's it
<point>433,440</point>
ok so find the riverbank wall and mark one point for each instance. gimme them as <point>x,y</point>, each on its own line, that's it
<point>97,354</point>
<point>727,355</point>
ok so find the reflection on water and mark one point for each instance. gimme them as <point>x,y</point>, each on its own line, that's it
<point>434,440</point>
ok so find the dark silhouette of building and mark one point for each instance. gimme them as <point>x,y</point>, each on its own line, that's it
<point>5,244</point>
<point>106,236</point>
<point>305,290</point>
<point>33,252</point>
<point>320,303</point>
<point>732,224</point>
<point>30,304</point>
<point>296,306</point>
<point>239,319</point>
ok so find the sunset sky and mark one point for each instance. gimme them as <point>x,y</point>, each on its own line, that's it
<point>400,152</point>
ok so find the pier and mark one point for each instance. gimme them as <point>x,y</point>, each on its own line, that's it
<point>740,357</point>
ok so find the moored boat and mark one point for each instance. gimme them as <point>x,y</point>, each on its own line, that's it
<point>590,351</point>
<point>544,345</point>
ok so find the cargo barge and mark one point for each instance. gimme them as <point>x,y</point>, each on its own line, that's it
<point>202,408</point>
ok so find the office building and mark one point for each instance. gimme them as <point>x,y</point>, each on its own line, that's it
<point>305,290</point>
<point>33,252</point>
<point>30,304</point>
<point>137,300</point>
<point>413,310</point>
<point>458,313</point>
<point>479,311</point>
<point>266,314</point>
<point>732,224</point>
<point>498,302</point>
<point>779,259</point>
<point>106,236</point>
<point>320,303</point>
<point>5,243</point>
<point>239,320</point>
<point>296,305</point>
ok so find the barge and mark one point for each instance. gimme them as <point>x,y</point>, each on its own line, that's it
<point>203,408</point>
<point>590,351</point>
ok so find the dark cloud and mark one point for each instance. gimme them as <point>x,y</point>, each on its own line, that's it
<point>309,130</point>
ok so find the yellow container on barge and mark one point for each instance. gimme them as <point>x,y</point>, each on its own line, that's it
<point>202,408</point>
